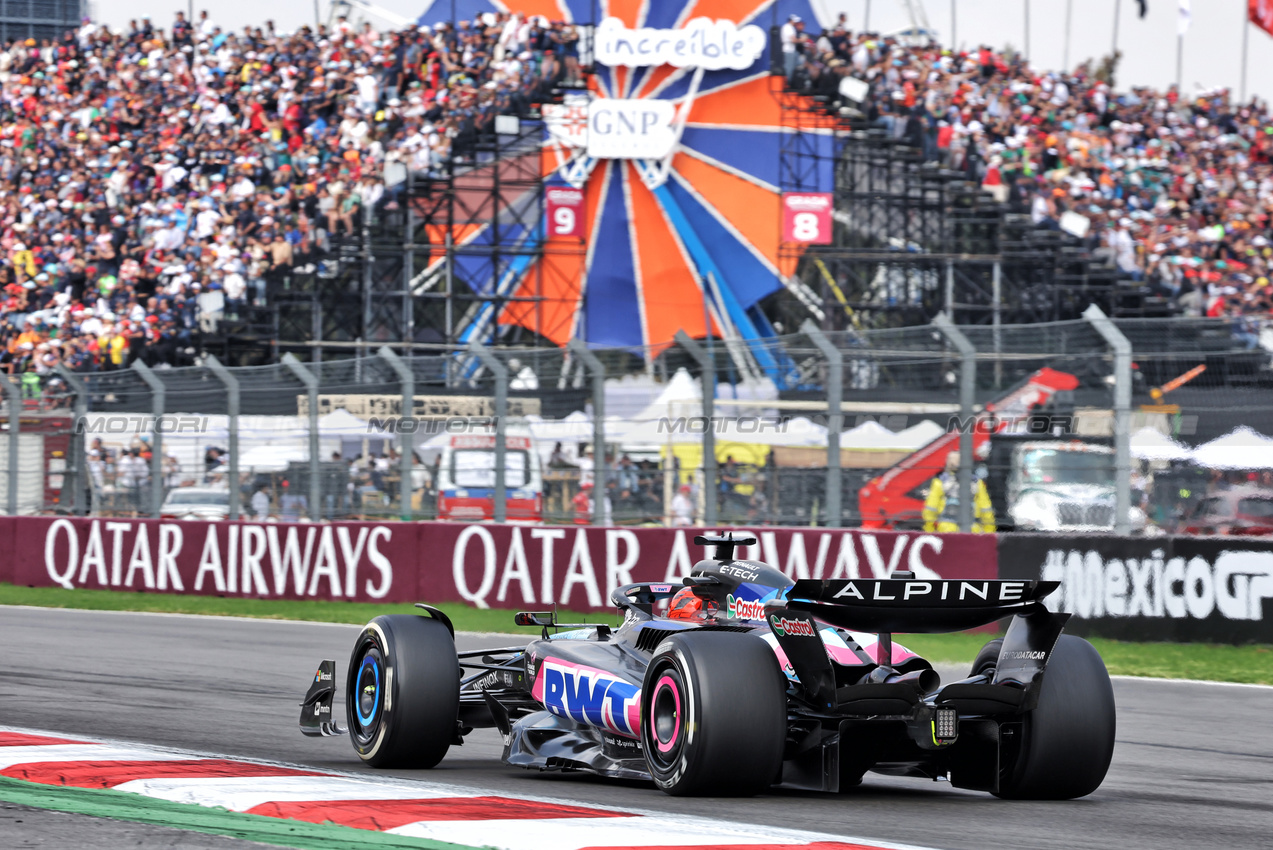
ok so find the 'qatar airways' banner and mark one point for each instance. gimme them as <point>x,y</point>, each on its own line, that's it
<point>494,566</point>
<point>489,566</point>
<point>356,561</point>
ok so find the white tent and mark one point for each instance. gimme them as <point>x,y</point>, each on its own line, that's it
<point>1242,448</point>
<point>342,423</point>
<point>271,458</point>
<point>921,434</point>
<point>869,435</point>
<point>1151,444</point>
<point>799,431</point>
<point>683,396</point>
<point>639,397</point>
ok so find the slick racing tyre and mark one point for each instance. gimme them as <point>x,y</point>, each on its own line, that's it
<point>1067,741</point>
<point>987,659</point>
<point>402,697</point>
<point>713,715</point>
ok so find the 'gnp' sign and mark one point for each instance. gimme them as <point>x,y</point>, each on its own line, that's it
<point>630,129</point>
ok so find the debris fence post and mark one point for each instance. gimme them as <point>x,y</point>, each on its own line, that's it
<point>598,372</point>
<point>709,433</point>
<point>835,418</point>
<point>967,399</point>
<point>500,372</point>
<point>157,438</point>
<point>77,467</point>
<point>1122,350</point>
<point>406,432</point>
<point>232,406</point>
<point>306,377</point>
<point>14,394</point>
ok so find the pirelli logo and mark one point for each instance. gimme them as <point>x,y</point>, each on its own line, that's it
<point>943,591</point>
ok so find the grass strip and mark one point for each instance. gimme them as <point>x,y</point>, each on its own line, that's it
<point>1251,664</point>
<point>136,808</point>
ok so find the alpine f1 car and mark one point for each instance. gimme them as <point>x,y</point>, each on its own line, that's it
<point>749,680</point>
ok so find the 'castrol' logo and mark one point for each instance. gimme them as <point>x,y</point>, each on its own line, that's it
<point>744,609</point>
<point>799,628</point>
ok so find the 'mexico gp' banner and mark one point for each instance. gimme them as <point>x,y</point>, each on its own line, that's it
<point>485,565</point>
<point>1163,588</point>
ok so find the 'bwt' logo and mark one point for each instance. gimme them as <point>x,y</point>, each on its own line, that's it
<point>590,696</point>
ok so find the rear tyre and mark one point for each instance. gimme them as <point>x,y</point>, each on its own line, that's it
<point>402,695</point>
<point>987,659</point>
<point>1068,739</point>
<point>713,715</point>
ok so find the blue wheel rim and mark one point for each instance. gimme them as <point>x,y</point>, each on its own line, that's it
<point>367,703</point>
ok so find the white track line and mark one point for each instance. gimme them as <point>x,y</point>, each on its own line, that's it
<point>36,753</point>
<point>646,831</point>
<point>241,793</point>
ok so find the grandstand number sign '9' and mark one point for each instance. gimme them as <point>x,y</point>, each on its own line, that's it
<point>565,213</point>
<point>806,217</point>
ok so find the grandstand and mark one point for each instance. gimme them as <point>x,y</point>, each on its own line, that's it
<point>182,190</point>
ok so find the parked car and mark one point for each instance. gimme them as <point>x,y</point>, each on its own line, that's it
<point>1242,511</point>
<point>197,503</point>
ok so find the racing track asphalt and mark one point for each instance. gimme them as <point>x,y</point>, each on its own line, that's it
<point>1193,766</point>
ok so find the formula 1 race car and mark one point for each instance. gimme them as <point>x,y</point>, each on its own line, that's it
<point>749,680</point>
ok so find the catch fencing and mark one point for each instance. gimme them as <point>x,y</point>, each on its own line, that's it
<point>1063,427</point>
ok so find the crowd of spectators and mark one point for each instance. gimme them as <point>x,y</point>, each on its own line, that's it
<point>1176,188</point>
<point>150,178</point>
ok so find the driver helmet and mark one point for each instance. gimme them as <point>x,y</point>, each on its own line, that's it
<point>685,605</point>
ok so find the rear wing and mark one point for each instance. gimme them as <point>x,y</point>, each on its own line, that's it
<point>916,605</point>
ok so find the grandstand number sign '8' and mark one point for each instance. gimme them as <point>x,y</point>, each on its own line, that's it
<point>806,217</point>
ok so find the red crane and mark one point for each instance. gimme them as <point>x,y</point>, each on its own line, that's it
<point>887,501</point>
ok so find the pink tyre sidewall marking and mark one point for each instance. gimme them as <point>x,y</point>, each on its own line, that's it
<point>666,683</point>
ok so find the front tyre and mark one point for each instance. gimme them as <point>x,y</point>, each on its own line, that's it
<point>402,695</point>
<point>713,715</point>
<point>1068,739</point>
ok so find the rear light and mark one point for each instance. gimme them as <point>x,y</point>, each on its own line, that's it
<point>168,516</point>
<point>945,725</point>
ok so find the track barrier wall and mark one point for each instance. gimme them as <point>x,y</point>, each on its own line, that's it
<point>1162,588</point>
<point>486,565</point>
